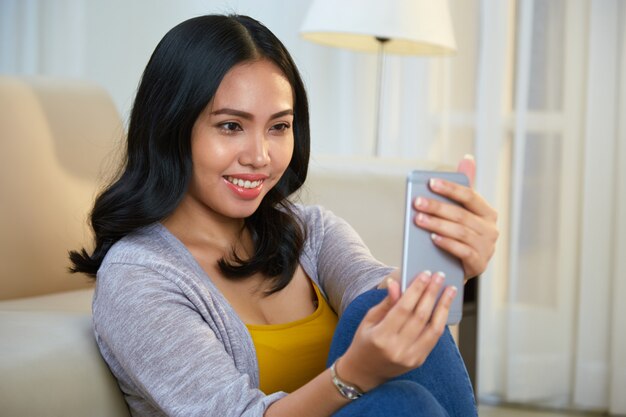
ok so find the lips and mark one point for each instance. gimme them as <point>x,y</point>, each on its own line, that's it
<point>245,186</point>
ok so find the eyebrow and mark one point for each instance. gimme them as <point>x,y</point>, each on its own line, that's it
<point>249,116</point>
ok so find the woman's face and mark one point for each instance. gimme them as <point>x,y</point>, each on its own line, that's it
<point>243,141</point>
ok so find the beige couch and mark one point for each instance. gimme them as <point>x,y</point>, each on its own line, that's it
<point>56,139</point>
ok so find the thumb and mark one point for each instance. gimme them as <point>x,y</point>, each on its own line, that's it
<point>380,310</point>
<point>467,166</point>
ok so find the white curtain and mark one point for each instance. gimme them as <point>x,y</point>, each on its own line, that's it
<point>553,322</point>
<point>537,91</point>
<point>42,37</point>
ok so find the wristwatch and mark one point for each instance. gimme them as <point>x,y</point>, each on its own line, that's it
<point>351,392</point>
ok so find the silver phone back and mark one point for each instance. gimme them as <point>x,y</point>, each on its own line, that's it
<point>419,252</point>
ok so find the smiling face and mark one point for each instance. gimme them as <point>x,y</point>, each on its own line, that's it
<point>242,142</point>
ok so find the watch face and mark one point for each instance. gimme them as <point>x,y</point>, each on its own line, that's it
<point>348,391</point>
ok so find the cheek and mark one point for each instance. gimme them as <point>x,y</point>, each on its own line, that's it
<point>208,149</point>
<point>285,153</point>
<point>209,155</point>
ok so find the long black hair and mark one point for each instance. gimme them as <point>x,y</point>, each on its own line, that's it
<point>181,78</point>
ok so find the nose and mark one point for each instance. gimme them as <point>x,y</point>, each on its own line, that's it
<point>256,152</point>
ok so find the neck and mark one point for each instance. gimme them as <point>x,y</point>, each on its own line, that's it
<point>198,226</point>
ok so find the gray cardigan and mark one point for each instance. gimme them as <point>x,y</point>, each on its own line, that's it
<point>176,346</point>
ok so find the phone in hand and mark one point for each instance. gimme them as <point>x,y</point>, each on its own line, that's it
<point>419,252</point>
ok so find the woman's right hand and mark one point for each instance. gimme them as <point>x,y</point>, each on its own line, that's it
<point>397,335</point>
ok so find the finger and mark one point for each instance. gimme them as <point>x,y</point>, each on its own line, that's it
<point>473,262</point>
<point>467,166</point>
<point>380,310</point>
<point>393,287</point>
<point>394,275</point>
<point>444,303</point>
<point>440,314</point>
<point>466,196</point>
<point>459,238</point>
<point>406,304</point>
<point>473,243</point>
<point>455,247</point>
<point>457,231</point>
<point>473,250</point>
<point>424,309</point>
<point>427,340</point>
<point>452,213</point>
<point>383,284</point>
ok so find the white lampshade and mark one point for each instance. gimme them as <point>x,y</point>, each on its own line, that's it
<point>413,27</point>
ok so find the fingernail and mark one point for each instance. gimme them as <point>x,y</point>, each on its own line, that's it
<point>421,218</point>
<point>420,202</point>
<point>388,281</point>
<point>435,237</point>
<point>435,184</point>
<point>440,277</point>
<point>425,276</point>
<point>452,290</point>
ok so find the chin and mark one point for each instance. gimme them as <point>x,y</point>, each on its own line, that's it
<point>242,211</point>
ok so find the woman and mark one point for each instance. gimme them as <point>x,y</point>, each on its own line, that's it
<point>216,296</point>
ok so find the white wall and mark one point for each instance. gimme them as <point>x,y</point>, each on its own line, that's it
<point>111,41</point>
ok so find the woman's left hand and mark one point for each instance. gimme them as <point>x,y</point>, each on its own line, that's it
<point>468,232</point>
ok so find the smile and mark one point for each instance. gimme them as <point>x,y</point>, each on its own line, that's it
<point>244,183</point>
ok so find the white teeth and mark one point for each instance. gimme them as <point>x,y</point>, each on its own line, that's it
<point>244,183</point>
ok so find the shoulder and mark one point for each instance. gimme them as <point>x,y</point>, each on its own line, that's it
<point>321,224</point>
<point>153,248</point>
<point>147,262</point>
<point>317,224</point>
<point>316,218</point>
<point>140,247</point>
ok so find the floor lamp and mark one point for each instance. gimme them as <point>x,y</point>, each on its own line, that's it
<point>405,27</point>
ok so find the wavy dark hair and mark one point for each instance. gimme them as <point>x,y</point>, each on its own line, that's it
<point>181,78</point>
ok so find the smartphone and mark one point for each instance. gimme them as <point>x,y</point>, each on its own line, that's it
<point>419,252</point>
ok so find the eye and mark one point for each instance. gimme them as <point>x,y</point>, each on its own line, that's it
<point>230,127</point>
<point>281,127</point>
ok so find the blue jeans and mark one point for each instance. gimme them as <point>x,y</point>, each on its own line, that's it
<point>440,387</point>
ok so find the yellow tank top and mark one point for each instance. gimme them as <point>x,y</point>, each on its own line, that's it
<point>292,354</point>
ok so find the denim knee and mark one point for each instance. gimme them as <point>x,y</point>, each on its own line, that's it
<point>395,398</point>
<point>350,320</point>
<point>443,375</point>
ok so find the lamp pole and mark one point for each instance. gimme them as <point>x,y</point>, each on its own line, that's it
<point>379,87</point>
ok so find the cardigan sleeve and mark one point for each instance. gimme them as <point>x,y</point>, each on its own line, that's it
<point>168,358</point>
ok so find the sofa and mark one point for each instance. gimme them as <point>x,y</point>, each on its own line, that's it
<point>58,140</point>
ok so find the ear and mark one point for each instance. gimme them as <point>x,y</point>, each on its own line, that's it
<point>467,166</point>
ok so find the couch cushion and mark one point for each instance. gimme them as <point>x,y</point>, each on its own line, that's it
<point>70,302</point>
<point>56,143</point>
<point>50,366</point>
